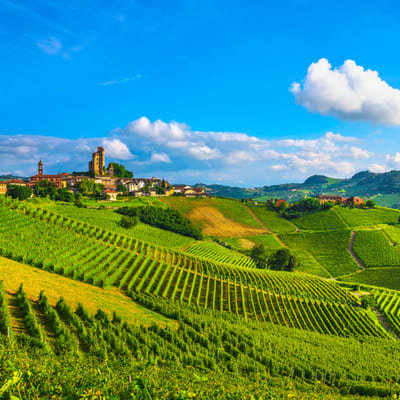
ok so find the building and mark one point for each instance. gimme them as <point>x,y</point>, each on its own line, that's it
<point>54,179</point>
<point>327,199</point>
<point>353,201</point>
<point>281,201</point>
<point>97,164</point>
<point>110,195</point>
<point>3,187</point>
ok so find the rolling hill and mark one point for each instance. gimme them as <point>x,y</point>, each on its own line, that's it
<point>159,308</point>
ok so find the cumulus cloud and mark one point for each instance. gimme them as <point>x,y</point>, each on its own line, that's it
<point>209,156</point>
<point>117,149</point>
<point>349,92</point>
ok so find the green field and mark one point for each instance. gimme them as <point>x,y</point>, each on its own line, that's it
<point>320,220</point>
<point>388,277</point>
<point>329,248</point>
<point>272,220</point>
<point>374,249</point>
<point>217,322</point>
<point>356,217</point>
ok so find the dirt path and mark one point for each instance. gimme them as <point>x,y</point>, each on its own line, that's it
<point>384,323</point>
<point>264,226</point>
<point>360,264</point>
<point>17,318</point>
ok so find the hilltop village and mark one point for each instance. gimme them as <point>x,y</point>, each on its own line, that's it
<point>112,181</point>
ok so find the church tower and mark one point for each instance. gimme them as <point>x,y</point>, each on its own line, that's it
<point>40,168</point>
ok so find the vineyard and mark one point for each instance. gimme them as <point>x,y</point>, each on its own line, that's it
<point>96,256</point>
<point>320,220</point>
<point>356,217</point>
<point>108,219</point>
<point>204,342</point>
<point>216,252</point>
<point>329,248</point>
<point>388,277</point>
<point>374,249</point>
<point>389,305</point>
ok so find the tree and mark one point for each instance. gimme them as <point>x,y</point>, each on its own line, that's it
<point>65,195</point>
<point>85,186</point>
<point>127,221</point>
<point>45,188</point>
<point>370,204</point>
<point>120,171</point>
<point>122,188</point>
<point>19,192</point>
<point>368,301</point>
<point>258,254</point>
<point>282,260</point>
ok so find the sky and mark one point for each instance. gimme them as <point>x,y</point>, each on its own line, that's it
<point>242,93</point>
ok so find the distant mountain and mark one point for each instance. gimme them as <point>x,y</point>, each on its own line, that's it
<point>383,188</point>
<point>8,177</point>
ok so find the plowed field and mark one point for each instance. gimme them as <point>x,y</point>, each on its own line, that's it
<point>214,223</point>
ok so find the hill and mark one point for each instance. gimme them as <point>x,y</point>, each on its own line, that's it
<point>200,312</point>
<point>383,188</point>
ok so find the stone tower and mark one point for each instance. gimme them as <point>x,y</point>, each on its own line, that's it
<point>97,164</point>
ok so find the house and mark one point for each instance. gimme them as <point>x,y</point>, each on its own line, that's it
<point>352,201</point>
<point>281,201</point>
<point>3,187</point>
<point>327,199</point>
<point>194,192</point>
<point>110,195</point>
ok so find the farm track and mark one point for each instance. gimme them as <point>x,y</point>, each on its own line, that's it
<point>17,318</point>
<point>384,323</point>
<point>355,258</point>
<point>266,228</point>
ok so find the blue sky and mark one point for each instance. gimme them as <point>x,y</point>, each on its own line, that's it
<point>241,93</point>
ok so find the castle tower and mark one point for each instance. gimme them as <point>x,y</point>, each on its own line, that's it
<point>97,164</point>
<point>40,168</point>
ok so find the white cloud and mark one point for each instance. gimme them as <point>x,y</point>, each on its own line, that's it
<point>204,152</point>
<point>117,149</point>
<point>358,153</point>
<point>348,92</point>
<point>377,168</point>
<point>51,45</point>
<point>131,78</point>
<point>160,157</point>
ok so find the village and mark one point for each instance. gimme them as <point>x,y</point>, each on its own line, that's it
<point>112,184</point>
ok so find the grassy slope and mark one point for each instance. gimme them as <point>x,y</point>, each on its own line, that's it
<point>74,292</point>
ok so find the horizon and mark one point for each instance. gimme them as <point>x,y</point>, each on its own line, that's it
<point>213,92</point>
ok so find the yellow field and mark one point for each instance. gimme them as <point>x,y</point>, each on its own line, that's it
<point>246,243</point>
<point>214,223</point>
<point>92,298</point>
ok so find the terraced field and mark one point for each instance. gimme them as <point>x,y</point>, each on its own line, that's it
<point>320,220</point>
<point>97,256</point>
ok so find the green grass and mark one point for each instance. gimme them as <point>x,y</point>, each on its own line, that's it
<point>269,241</point>
<point>374,249</point>
<point>384,277</point>
<point>356,217</point>
<point>320,220</point>
<point>330,249</point>
<point>124,202</point>
<point>108,219</point>
<point>272,220</point>
<point>393,233</point>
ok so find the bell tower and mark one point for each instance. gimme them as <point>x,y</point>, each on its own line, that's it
<point>40,168</point>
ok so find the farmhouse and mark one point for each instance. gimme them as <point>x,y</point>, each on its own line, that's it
<point>347,201</point>
<point>327,199</point>
<point>3,188</point>
<point>281,201</point>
